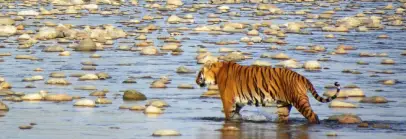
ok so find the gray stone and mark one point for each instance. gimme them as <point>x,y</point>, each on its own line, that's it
<point>133,95</point>
<point>55,48</point>
<point>3,107</point>
<point>86,45</point>
<point>6,21</point>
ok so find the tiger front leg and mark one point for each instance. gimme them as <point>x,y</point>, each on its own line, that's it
<point>235,114</point>
<point>230,113</point>
<point>283,110</point>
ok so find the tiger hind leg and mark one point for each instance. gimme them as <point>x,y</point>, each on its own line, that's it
<point>283,110</point>
<point>304,108</point>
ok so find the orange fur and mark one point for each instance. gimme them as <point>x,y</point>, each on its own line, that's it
<point>256,85</point>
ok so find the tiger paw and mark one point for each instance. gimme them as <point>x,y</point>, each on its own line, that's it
<point>235,117</point>
<point>282,119</point>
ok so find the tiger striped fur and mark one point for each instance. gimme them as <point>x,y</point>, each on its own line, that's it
<point>239,85</point>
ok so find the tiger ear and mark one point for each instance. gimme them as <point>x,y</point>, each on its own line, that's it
<point>208,64</point>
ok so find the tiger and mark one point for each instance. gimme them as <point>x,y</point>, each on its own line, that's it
<point>256,85</point>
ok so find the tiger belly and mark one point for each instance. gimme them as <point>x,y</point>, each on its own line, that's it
<point>243,101</point>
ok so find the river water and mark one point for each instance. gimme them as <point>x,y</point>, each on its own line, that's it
<point>192,116</point>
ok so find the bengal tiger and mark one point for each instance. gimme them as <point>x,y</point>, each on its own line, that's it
<point>240,85</point>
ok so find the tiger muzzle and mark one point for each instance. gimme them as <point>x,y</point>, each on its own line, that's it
<point>202,83</point>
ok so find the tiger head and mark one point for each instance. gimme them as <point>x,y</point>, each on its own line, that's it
<point>207,75</point>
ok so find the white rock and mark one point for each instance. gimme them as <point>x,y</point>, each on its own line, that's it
<point>7,30</point>
<point>28,13</point>
<point>289,64</point>
<point>149,51</point>
<point>312,65</point>
<point>32,97</point>
<point>58,81</point>
<point>64,53</point>
<point>174,2</point>
<point>166,132</point>
<point>280,56</point>
<point>340,104</point>
<point>256,39</point>
<point>71,10</point>
<point>173,19</point>
<point>170,46</point>
<point>47,33</point>
<point>24,37</point>
<point>85,103</point>
<point>77,2</point>
<point>353,92</point>
<point>153,110</point>
<point>90,7</point>
<point>43,93</point>
<point>157,103</point>
<point>253,32</point>
<point>89,77</point>
<point>225,50</point>
<point>103,101</point>
<point>207,58</point>
<point>223,7</point>
<point>261,63</point>
<point>388,61</point>
<point>245,39</point>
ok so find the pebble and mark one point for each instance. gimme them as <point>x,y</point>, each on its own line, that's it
<point>137,108</point>
<point>133,95</point>
<point>331,134</point>
<point>149,51</point>
<point>185,86</point>
<point>166,132</point>
<point>158,84</point>
<point>374,99</point>
<point>86,87</point>
<point>89,77</point>
<point>58,81</point>
<point>280,56</point>
<point>350,92</point>
<point>383,126</point>
<point>210,94</point>
<point>153,110</point>
<point>340,104</point>
<point>157,103</point>
<point>85,103</point>
<point>58,97</point>
<point>261,63</point>
<point>33,78</point>
<point>291,63</point>
<point>388,62</point>
<point>346,119</point>
<point>32,97</point>
<point>103,76</point>
<point>25,127</point>
<point>64,53</point>
<point>98,93</point>
<point>103,101</point>
<point>229,128</point>
<point>183,69</point>
<point>57,75</point>
<point>312,65</point>
<point>130,81</point>
<point>389,82</point>
<point>363,125</point>
<point>124,107</point>
<point>3,107</point>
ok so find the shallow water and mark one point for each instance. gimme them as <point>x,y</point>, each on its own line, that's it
<point>193,116</point>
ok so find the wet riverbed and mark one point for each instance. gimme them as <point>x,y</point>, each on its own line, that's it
<point>192,116</point>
